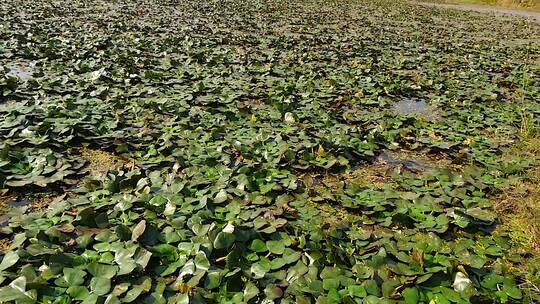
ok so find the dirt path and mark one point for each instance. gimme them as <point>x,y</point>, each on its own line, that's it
<point>486,9</point>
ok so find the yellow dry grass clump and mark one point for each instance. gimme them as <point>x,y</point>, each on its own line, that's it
<point>519,210</point>
<point>518,3</point>
<point>100,162</point>
<point>519,206</point>
<point>524,4</point>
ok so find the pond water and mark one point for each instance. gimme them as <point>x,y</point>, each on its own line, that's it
<point>412,165</point>
<point>18,203</point>
<point>414,106</point>
<point>14,207</point>
<point>23,71</point>
<point>4,219</point>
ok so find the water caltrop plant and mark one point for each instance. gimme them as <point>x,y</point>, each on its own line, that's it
<point>260,151</point>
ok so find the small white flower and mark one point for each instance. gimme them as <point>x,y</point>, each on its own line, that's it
<point>461,282</point>
<point>96,74</point>
<point>289,118</point>
<point>169,209</point>
<point>43,268</point>
<point>26,132</point>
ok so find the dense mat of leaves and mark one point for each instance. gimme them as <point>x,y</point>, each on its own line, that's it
<point>231,113</point>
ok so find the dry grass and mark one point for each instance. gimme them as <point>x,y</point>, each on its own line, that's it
<point>519,209</point>
<point>430,160</point>
<point>533,4</point>
<point>41,201</point>
<point>324,186</point>
<point>377,175</point>
<point>5,245</point>
<point>333,215</point>
<point>34,201</point>
<point>4,200</point>
<point>522,4</point>
<point>100,162</point>
<point>519,206</point>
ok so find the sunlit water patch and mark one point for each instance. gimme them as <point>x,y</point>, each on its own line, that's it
<point>414,107</point>
<point>23,71</point>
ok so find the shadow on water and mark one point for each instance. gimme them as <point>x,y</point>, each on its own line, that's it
<point>12,207</point>
<point>411,165</point>
<point>4,220</point>
<point>18,203</point>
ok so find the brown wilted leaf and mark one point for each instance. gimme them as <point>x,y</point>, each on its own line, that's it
<point>418,256</point>
<point>71,243</point>
<point>66,228</point>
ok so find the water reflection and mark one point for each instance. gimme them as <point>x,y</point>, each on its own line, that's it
<point>414,106</point>
<point>23,71</point>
